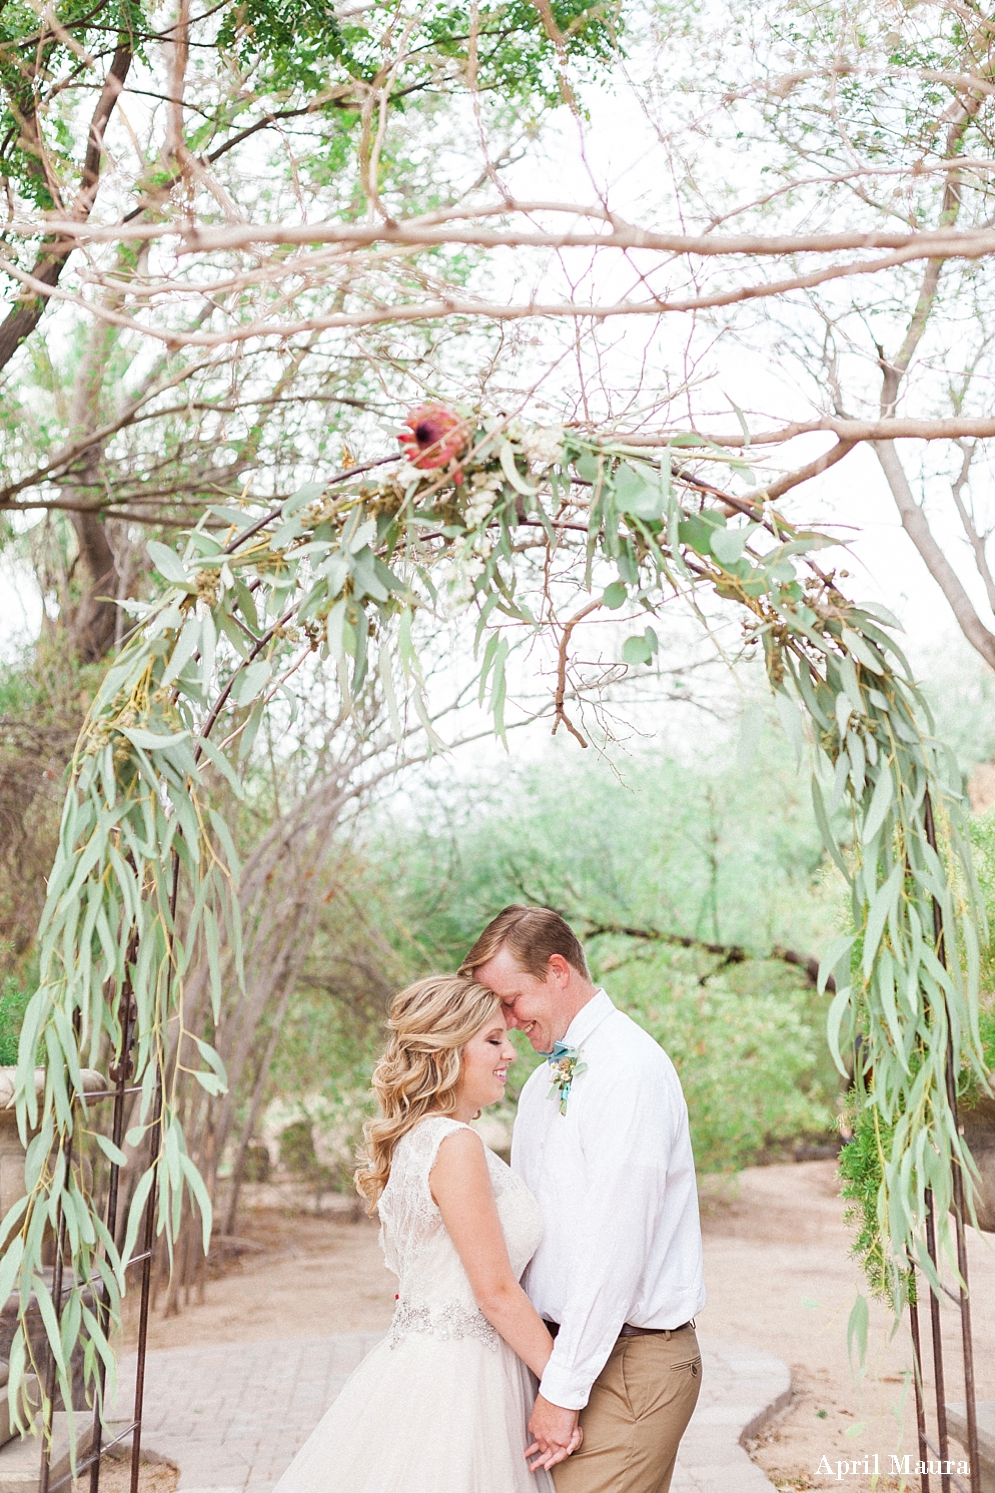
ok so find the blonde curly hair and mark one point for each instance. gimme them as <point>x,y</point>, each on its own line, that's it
<point>430,1023</point>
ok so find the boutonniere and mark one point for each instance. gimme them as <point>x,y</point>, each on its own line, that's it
<point>565,1065</point>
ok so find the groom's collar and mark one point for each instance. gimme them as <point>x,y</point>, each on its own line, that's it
<point>589,1018</point>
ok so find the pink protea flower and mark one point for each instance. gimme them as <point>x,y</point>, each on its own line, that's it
<point>435,435</point>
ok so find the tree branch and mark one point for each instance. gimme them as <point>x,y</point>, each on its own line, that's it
<point>559,712</point>
<point>21,322</point>
<point>916,525</point>
<point>977,541</point>
<point>729,953</point>
<point>803,474</point>
<point>903,427</point>
<point>435,230</point>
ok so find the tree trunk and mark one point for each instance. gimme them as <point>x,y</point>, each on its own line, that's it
<point>280,895</point>
<point>93,623</point>
<point>94,620</point>
<point>28,312</point>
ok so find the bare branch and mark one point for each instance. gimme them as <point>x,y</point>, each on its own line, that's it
<point>916,525</point>
<point>813,469</point>
<point>978,542</point>
<point>559,712</point>
<point>948,428</point>
<point>431,230</point>
<point>729,953</point>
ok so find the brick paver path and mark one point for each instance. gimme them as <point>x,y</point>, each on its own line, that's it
<point>232,1417</point>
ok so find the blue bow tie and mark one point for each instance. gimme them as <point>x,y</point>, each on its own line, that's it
<point>560,1050</point>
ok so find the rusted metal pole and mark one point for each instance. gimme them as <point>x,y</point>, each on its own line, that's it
<point>119,1077</point>
<point>917,1373</point>
<point>143,1317</point>
<point>967,1341</point>
<point>934,1322</point>
<point>60,1244</point>
<point>957,1188</point>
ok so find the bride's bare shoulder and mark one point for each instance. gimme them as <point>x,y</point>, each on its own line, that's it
<point>461,1156</point>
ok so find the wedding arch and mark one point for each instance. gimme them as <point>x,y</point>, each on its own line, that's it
<point>339,573</point>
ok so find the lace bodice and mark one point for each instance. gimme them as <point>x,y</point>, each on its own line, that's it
<point>434,1293</point>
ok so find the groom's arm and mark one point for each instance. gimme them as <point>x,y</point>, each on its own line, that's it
<point>629,1127</point>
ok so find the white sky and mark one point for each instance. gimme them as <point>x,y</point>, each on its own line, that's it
<point>621,159</point>
<point>20,606</point>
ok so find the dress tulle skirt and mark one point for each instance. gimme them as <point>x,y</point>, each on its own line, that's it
<point>425,1416</point>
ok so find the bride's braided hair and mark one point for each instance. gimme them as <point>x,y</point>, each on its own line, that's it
<point>430,1024</point>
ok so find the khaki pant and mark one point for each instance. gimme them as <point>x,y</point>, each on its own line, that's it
<point>638,1411</point>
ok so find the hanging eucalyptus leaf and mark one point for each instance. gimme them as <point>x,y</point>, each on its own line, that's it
<point>640,650</point>
<point>727,545</point>
<point>167,562</point>
<point>638,491</point>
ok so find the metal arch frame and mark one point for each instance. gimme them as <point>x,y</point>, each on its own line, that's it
<point>942,1451</point>
<point>119,1074</point>
<point>948,1480</point>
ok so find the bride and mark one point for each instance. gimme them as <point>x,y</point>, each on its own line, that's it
<point>441,1405</point>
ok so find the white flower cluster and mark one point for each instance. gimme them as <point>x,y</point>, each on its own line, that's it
<point>544,445</point>
<point>405,476</point>
<point>486,486</point>
<point>457,575</point>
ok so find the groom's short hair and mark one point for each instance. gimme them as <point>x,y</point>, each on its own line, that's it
<point>531,934</point>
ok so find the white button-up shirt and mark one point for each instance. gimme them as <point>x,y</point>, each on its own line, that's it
<point>615,1181</point>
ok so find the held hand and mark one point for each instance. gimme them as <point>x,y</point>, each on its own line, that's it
<point>550,1459</point>
<point>556,1434</point>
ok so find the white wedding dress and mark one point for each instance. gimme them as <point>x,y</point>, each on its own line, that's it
<point>441,1405</point>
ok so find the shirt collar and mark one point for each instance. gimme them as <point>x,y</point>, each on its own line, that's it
<point>589,1018</point>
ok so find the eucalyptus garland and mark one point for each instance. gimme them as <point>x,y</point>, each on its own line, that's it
<point>146,875</point>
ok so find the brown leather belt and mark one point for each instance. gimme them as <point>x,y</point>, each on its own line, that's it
<point>628,1331</point>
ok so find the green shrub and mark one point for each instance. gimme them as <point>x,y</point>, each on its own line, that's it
<point>746,1045</point>
<point>13,1004</point>
<point>719,854</point>
<point>860,1172</point>
<point>297,1149</point>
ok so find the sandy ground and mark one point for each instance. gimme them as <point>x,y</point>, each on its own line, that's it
<point>778,1276</point>
<point>115,1477</point>
<point>296,1275</point>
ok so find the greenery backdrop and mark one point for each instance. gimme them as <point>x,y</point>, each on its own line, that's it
<point>720,857</point>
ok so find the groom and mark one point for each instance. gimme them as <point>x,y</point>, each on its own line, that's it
<point>601,1138</point>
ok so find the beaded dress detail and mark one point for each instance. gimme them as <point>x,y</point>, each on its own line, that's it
<point>441,1405</point>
